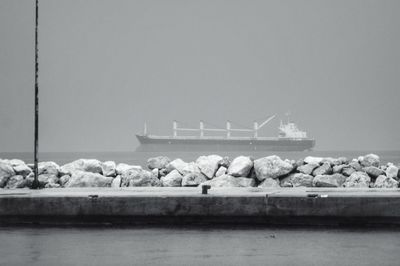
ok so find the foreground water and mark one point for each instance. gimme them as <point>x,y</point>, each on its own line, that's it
<point>140,158</point>
<point>198,246</point>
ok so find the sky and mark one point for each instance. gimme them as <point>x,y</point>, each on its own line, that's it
<point>106,67</point>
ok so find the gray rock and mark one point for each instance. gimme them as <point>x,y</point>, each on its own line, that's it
<point>18,181</point>
<point>173,179</point>
<point>52,185</point>
<point>159,162</point>
<point>156,172</point>
<point>225,162</point>
<point>88,179</point>
<point>392,171</point>
<point>307,169</point>
<point>270,183</point>
<point>193,179</point>
<point>64,179</point>
<point>85,165</point>
<point>356,166</point>
<point>45,179</point>
<point>48,168</point>
<point>6,171</point>
<point>162,172</point>
<point>313,160</point>
<point>109,168</point>
<point>177,164</point>
<point>358,180</point>
<point>385,182</point>
<point>240,166</point>
<point>22,169</point>
<point>337,169</point>
<point>271,167</point>
<point>348,170</point>
<point>208,164</point>
<point>335,180</point>
<point>297,180</point>
<point>116,183</point>
<point>190,168</point>
<point>230,181</point>
<point>369,160</point>
<point>324,169</point>
<point>123,167</point>
<point>373,171</point>
<point>221,171</point>
<point>139,178</point>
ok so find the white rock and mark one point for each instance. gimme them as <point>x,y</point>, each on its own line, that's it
<point>123,167</point>
<point>385,182</point>
<point>208,164</point>
<point>335,180</point>
<point>6,171</point>
<point>357,179</point>
<point>109,168</point>
<point>240,166</point>
<point>88,179</point>
<point>230,181</point>
<point>297,180</point>
<point>116,183</point>
<point>369,160</point>
<point>85,165</point>
<point>22,169</point>
<point>270,182</point>
<point>313,160</point>
<point>48,168</point>
<point>221,171</point>
<point>139,178</point>
<point>392,171</point>
<point>173,179</point>
<point>177,164</point>
<point>193,179</point>
<point>159,162</point>
<point>271,167</point>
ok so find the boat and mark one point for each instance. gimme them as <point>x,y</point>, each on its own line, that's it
<point>290,138</point>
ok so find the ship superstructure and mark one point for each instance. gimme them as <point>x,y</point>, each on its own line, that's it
<point>290,138</point>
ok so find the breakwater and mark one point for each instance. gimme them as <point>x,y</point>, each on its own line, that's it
<point>268,172</point>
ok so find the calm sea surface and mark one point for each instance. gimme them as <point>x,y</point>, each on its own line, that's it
<point>140,158</point>
<point>191,246</point>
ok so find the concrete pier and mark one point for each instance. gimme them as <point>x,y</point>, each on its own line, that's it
<point>152,205</point>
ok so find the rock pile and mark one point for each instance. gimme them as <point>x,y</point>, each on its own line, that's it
<point>214,170</point>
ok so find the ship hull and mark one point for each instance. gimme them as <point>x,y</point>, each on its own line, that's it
<point>148,143</point>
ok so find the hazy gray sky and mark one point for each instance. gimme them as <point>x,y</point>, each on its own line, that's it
<point>107,66</point>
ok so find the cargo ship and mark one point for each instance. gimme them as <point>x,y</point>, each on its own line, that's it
<point>290,138</point>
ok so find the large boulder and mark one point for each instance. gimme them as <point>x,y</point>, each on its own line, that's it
<point>64,179</point>
<point>22,169</point>
<point>373,171</point>
<point>85,165</point>
<point>337,169</point>
<point>6,171</point>
<point>348,170</point>
<point>230,181</point>
<point>159,162</point>
<point>385,182</point>
<point>240,166</point>
<point>48,168</point>
<point>392,171</point>
<point>270,183</point>
<point>88,179</point>
<point>221,171</point>
<point>18,181</point>
<point>271,167</point>
<point>208,164</point>
<point>173,179</point>
<point>335,180</point>
<point>307,169</point>
<point>357,180</point>
<point>297,180</point>
<point>116,183</point>
<point>225,162</point>
<point>177,164</point>
<point>139,178</point>
<point>123,167</point>
<point>193,179</point>
<point>109,168</point>
<point>313,160</point>
<point>356,165</point>
<point>48,180</point>
<point>369,160</point>
<point>324,169</point>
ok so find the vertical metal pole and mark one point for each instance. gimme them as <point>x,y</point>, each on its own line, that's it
<point>35,184</point>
